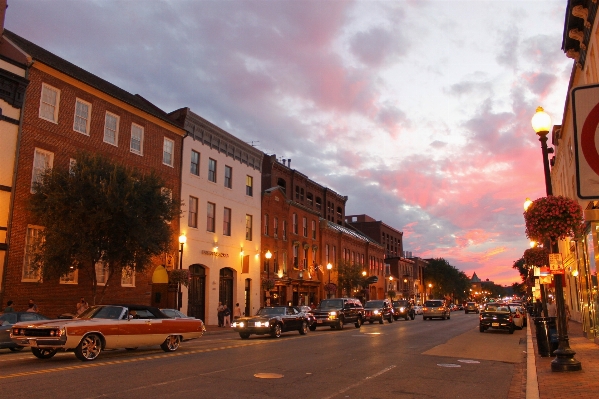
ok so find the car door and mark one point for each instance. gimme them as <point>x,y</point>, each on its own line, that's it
<point>291,319</point>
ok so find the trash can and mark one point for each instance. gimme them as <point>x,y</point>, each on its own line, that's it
<point>546,332</point>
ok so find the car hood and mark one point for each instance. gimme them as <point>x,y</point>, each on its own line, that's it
<point>59,323</point>
<point>255,318</point>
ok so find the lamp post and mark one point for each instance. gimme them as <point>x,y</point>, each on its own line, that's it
<point>329,267</point>
<point>299,288</point>
<point>182,241</point>
<point>267,255</point>
<point>430,289</point>
<point>564,360</point>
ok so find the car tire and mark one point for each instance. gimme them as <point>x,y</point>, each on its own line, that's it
<point>89,348</point>
<point>244,335</point>
<point>276,332</point>
<point>313,327</point>
<point>171,343</point>
<point>43,353</point>
<point>358,323</point>
<point>340,323</point>
<point>406,318</point>
<point>304,329</point>
<point>390,319</point>
<point>16,348</point>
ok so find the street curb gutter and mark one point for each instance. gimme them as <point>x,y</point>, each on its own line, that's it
<point>532,385</point>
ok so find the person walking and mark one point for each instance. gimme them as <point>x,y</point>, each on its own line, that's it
<point>551,308</point>
<point>219,313</point>
<point>236,312</point>
<point>9,307</point>
<point>226,316</point>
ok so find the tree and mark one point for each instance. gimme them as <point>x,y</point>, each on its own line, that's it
<point>349,276</point>
<point>446,279</point>
<point>520,265</point>
<point>99,212</point>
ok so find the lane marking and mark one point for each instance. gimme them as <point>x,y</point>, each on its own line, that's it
<point>361,382</point>
<point>468,361</point>
<point>450,365</point>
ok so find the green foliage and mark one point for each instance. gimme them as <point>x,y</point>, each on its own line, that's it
<point>100,211</point>
<point>349,276</point>
<point>446,280</point>
<point>391,294</point>
<point>520,265</point>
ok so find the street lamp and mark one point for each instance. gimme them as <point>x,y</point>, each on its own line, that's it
<point>268,255</point>
<point>430,287</point>
<point>329,267</point>
<point>182,241</point>
<point>564,360</point>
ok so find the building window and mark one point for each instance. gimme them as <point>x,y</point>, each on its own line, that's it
<point>295,257</point>
<point>265,225</point>
<point>212,170</point>
<point>305,260</point>
<point>297,193</point>
<point>49,103</point>
<point>128,277</point>
<point>32,242</point>
<point>195,163</point>
<point>210,220</point>
<point>42,160</point>
<point>318,203</point>
<point>275,227</point>
<point>309,199</point>
<point>294,220</point>
<point>111,129</point>
<point>227,222</point>
<point>334,255</point>
<point>167,152</point>
<point>327,254</point>
<point>314,229</point>
<point>249,186</point>
<point>228,176</point>
<point>305,226</point>
<point>102,272</point>
<point>69,278</point>
<point>284,260</point>
<point>82,113</point>
<point>137,139</point>
<point>248,227</point>
<point>193,212</point>
<point>284,230</point>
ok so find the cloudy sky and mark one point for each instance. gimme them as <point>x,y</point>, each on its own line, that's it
<point>419,111</point>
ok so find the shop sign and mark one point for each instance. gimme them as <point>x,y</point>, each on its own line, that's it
<point>556,264</point>
<point>216,254</point>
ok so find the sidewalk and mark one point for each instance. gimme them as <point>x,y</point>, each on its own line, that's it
<point>542,383</point>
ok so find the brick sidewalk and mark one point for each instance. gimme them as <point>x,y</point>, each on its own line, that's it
<point>573,384</point>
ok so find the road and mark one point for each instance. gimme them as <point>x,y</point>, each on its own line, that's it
<point>405,359</point>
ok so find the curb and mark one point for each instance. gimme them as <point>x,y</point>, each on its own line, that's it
<point>532,385</point>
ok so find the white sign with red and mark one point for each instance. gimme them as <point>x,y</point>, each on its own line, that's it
<point>556,265</point>
<point>585,105</point>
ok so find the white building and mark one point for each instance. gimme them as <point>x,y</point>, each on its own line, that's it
<point>221,196</point>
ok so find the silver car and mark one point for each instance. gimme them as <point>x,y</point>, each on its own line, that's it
<point>435,308</point>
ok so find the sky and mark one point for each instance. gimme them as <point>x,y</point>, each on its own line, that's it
<point>418,110</point>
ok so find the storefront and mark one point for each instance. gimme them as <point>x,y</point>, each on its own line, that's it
<point>586,281</point>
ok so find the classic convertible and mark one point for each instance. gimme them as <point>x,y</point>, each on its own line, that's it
<point>272,320</point>
<point>106,327</point>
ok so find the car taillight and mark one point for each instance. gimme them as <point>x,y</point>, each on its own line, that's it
<point>516,316</point>
<point>511,320</point>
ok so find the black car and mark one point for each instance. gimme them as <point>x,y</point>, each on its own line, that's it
<point>307,311</point>
<point>336,312</point>
<point>272,320</point>
<point>403,308</point>
<point>498,316</point>
<point>10,318</point>
<point>378,310</point>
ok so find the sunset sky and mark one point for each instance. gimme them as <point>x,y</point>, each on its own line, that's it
<point>419,111</point>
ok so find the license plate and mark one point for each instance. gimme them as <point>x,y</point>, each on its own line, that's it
<point>495,324</point>
<point>319,321</point>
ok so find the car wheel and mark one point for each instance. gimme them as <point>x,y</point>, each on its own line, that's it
<point>358,322</point>
<point>304,329</point>
<point>244,335</point>
<point>340,323</point>
<point>43,353</point>
<point>16,348</point>
<point>89,348</point>
<point>171,343</point>
<point>481,329</point>
<point>406,317</point>
<point>313,327</point>
<point>276,331</point>
<point>131,349</point>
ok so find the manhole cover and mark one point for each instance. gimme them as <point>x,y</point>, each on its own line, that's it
<point>448,365</point>
<point>468,361</point>
<point>268,375</point>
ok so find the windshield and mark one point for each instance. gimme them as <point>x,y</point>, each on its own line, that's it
<point>374,304</point>
<point>103,312</point>
<point>433,304</point>
<point>270,311</point>
<point>331,304</point>
<point>400,303</point>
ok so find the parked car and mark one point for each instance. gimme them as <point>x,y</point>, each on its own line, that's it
<point>435,308</point>
<point>497,316</point>
<point>417,309</point>
<point>6,322</point>
<point>307,311</point>
<point>518,314</point>
<point>403,308</point>
<point>174,313</point>
<point>471,307</point>
<point>378,310</point>
<point>272,320</point>
<point>106,327</point>
<point>336,312</point>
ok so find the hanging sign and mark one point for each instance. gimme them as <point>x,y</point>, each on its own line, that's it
<point>585,105</point>
<point>556,264</point>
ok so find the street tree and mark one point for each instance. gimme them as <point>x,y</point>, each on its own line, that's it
<point>349,276</point>
<point>101,213</point>
<point>520,265</point>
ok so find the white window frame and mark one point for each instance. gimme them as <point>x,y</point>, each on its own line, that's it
<point>37,169</point>
<point>141,139</point>
<point>165,152</point>
<point>116,131</point>
<point>102,273</point>
<point>29,274</point>
<point>87,118</point>
<point>128,277</point>
<point>56,105</point>
<point>72,277</point>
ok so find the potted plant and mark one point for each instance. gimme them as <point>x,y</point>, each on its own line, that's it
<point>179,276</point>
<point>553,218</point>
<point>268,284</point>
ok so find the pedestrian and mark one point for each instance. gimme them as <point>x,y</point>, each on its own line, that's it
<point>82,306</point>
<point>236,312</point>
<point>32,307</point>
<point>219,313</point>
<point>9,307</point>
<point>226,316</point>
<point>551,308</point>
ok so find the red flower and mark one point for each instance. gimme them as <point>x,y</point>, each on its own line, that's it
<point>553,218</point>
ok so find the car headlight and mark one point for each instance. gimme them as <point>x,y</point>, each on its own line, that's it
<point>238,324</point>
<point>402,309</point>
<point>376,311</point>
<point>332,313</point>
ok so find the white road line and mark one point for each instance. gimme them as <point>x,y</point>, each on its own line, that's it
<point>360,382</point>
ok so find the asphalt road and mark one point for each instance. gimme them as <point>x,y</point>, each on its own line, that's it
<point>404,359</point>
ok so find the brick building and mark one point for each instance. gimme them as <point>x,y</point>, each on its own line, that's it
<point>391,239</point>
<point>68,109</point>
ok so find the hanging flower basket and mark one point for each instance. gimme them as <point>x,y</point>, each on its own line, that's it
<point>537,256</point>
<point>330,287</point>
<point>268,284</point>
<point>553,218</point>
<point>179,276</point>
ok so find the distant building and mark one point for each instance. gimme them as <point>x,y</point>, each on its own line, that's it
<point>390,238</point>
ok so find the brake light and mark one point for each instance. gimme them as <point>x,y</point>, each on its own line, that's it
<point>511,320</point>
